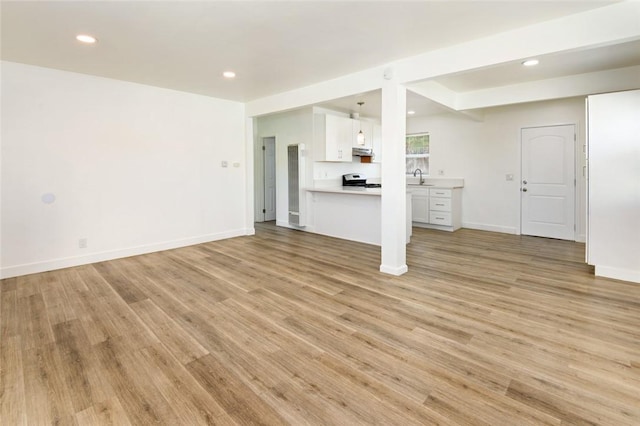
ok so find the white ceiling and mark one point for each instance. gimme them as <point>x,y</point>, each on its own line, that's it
<point>272,46</point>
<point>551,66</point>
<point>372,107</point>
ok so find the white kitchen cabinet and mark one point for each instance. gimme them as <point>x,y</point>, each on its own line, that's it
<point>333,137</point>
<point>420,205</point>
<point>437,208</point>
<point>372,137</point>
<point>367,130</point>
<point>376,143</point>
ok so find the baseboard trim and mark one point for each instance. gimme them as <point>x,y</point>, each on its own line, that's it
<point>394,270</point>
<point>285,224</point>
<point>617,273</point>
<point>67,262</point>
<point>492,228</point>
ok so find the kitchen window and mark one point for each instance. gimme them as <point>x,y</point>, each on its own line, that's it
<point>417,151</point>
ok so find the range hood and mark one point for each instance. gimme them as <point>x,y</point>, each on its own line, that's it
<point>359,151</point>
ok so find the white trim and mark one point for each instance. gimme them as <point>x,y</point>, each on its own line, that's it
<point>67,262</point>
<point>492,228</point>
<point>393,270</point>
<point>617,273</point>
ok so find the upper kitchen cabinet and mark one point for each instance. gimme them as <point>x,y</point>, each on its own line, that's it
<point>376,143</point>
<point>372,136</point>
<point>367,130</point>
<point>333,137</point>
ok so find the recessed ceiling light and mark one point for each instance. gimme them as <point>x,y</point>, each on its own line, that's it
<point>228,74</point>
<point>411,112</point>
<point>530,62</point>
<point>85,38</point>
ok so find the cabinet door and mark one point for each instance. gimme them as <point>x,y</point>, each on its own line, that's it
<point>376,143</point>
<point>420,205</point>
<point>338,134</point>
<point>367,130</point>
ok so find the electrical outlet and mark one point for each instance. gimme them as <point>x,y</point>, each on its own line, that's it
<point>224,164</point>
<point>441,172</point>
<point>82,243</point>
<point>509,177</point>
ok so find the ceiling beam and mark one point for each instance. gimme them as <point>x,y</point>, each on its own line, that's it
<point>613,24</point>
<point>554,88</point>
<point>446,98</point>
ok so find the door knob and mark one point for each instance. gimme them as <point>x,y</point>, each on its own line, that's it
<point>524,189</point>
<point>524,181</point>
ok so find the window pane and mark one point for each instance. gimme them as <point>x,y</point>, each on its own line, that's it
<point>421,163</point>
<point>417,151</point>
<point>417,144</point>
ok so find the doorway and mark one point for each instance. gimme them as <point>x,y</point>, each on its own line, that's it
<point>269,167</point>
<point>547,190</point>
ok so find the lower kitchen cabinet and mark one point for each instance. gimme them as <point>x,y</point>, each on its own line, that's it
<point>420,205</point>
<point>437,208</point>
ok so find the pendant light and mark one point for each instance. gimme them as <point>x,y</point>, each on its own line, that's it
<point>360,138</point>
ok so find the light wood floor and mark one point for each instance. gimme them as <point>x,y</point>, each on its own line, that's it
<point>286,327</point>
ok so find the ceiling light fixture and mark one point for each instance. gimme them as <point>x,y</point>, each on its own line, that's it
<point>228,74</point>
<point>411,112</point>
<point>360,138</point>
<point>85,38</point>
<point>531,62</point>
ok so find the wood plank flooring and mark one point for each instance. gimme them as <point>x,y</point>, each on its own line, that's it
<point>287,327</point>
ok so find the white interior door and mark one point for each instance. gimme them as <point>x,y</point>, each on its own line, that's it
<point>548,182</point>
<point>269,151</point>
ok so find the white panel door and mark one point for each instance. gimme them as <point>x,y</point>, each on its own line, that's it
<point>269,178</point>
<point>548,182</point>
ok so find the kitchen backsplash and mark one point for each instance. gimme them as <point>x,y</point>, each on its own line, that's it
<point>326,171</point>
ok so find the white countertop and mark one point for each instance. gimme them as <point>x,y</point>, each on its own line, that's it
<point>434,186</point>
<point>435,182</point>
<point>356,190</point>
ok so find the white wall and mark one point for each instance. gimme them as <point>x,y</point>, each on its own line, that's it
<point>289,128</point>
<point>332,173</point>
<point>133,169</point>
<point>484,152</point>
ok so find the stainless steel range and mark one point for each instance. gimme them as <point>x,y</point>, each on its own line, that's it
<point>358,179</point>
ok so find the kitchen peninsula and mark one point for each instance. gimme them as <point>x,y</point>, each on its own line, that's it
<point>351,213</point>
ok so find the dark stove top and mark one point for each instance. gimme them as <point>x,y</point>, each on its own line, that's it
<point>363,185</point>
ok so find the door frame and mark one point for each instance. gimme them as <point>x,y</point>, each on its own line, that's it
<point>272,139</point>
<point>259,177</point>
<point>579,184</point>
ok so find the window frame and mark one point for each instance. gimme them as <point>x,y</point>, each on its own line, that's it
<point>427,155</point>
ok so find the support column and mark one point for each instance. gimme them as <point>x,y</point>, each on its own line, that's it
<point>394,188</point>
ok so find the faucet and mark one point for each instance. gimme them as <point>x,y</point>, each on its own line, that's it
<point>414,175</point>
